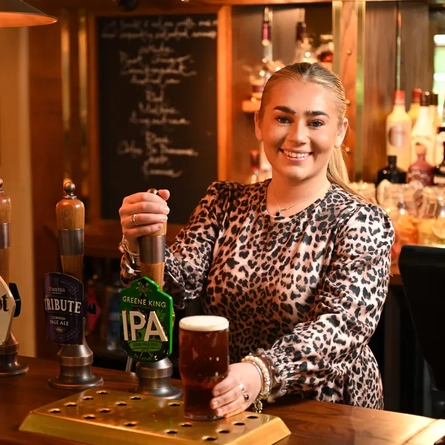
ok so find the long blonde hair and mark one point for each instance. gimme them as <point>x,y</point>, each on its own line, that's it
<point>337,172</point>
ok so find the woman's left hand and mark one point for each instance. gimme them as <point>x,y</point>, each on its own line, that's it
<point>237,391</point>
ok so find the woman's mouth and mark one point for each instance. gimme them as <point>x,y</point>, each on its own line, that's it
<point>298,155</point>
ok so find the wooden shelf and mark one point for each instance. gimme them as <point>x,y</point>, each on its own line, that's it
<point>250,105</point>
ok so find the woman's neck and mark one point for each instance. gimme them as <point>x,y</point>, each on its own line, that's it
<point>285,199</point>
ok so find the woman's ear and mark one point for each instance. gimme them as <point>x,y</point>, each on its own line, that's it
<point>341,133</point>
<point>258,132</point>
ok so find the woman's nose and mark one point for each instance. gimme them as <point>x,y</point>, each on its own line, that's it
<point>297,133</point>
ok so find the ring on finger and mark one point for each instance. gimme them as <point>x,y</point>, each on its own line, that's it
<point>243,391</point>
<point>133,219</point>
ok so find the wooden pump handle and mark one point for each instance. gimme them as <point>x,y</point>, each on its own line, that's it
<point>70,215</point>
<point>152,253</point>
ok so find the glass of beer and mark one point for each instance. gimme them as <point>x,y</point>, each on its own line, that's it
<point>203,362</point>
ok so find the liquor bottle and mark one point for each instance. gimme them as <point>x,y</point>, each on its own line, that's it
<point>325,52</point>
<point>422,132</point>
<point>434,111</point>
<point>304,51</point>
<point>264,71</point>
<point>390,174</point>
<point>421,172</point>
<point>254,175</point>
<point>439,171</point>
<point>415,105</point>
<point>440,140</point>
<point>398,132</point>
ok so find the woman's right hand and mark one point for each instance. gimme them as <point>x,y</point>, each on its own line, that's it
<point>143,214</point>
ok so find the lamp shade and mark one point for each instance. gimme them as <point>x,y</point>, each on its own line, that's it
<point>15,13</point>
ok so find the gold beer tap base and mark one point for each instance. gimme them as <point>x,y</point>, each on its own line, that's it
<point>101,416</point>
<point>154,380</point>
<point>75,369</point>
<point>9,366</point>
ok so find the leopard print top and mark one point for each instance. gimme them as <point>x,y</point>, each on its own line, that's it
<point>308,288</point>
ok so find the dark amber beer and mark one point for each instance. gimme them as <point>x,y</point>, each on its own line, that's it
<point>203,362</point>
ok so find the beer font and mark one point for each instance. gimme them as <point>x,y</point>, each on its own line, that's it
<point>147,321</point>
<point>9,298</point>
<point>65,306</point>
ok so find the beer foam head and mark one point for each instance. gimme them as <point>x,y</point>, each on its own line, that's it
<point>204,323</point>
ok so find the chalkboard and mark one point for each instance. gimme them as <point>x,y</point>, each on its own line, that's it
<point>157,108</point>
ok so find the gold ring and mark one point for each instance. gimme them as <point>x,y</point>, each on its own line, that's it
<point>133,219</point>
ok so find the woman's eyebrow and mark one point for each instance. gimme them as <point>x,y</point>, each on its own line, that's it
<point>308,113</point>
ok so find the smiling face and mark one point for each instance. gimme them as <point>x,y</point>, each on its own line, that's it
<point>299,127</point>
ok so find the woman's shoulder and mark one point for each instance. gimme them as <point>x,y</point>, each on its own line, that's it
<point>350,207</point>
<point>345,204</point>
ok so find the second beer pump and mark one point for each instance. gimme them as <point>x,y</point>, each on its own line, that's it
<point>64,300</point>
<point>9,304</point>
<point>154,375</point>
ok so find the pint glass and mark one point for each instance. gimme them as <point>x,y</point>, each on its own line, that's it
<point>203,361</point>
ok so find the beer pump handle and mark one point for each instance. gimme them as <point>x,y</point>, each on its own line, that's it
<point>70,215</point>
<point>152,253</point>
<point>5,222</point>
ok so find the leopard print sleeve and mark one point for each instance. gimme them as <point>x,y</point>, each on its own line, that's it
<point>189,258</point>
<point>326,356</point>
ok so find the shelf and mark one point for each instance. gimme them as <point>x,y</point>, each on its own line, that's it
<point>250,105</point>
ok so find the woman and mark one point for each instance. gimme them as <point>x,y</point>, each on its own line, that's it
<point>298,263</point>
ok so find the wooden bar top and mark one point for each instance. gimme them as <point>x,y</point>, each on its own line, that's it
<point>311,423</point>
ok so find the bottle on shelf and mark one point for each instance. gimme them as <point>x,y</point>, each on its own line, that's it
<point>423,134</point>
<point>398,132</point>
<point>421,172</point>
<point>440,144</point>
<point>254,175</point>
<point>267,67</point>
<point>390,174</point>
<point>304,51</point>
<point>434,111</point>
<point>325,52</point>
<point>415,105</point>
<point>439,170</point>
<point>443,114</point>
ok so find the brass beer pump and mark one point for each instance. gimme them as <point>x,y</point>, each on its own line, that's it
<point>155,377</point>
<point>9,366</point>
<point>75,360</point>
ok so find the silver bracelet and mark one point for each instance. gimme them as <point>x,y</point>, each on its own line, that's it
<point>123,247</point>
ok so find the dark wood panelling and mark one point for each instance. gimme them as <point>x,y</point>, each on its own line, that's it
<point>380,81</point>
<point>415,51</point>
<point>46,159</point>
<point>380,70</point>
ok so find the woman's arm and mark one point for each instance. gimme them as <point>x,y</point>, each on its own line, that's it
<point>346,310</point>
<point>188,259</point>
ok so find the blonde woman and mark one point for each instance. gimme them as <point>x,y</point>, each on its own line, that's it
<point>298,263</point>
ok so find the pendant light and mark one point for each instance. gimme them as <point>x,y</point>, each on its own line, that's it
<point>14,13</point>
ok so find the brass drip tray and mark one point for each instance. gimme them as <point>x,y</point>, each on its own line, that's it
<point>103,416</point>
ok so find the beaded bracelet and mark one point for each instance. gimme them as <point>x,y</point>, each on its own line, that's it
<point>266,380</point>
<point>278,386</point>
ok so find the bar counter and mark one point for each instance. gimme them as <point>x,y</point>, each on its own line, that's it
<point>310,422</point>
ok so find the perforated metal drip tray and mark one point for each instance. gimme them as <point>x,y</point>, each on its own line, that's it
<point>102,416</point>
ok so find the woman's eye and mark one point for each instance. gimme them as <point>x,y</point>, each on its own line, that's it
<point>316,123</point>
<point>283,119</point>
